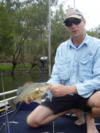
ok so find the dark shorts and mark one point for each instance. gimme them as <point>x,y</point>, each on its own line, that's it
<point>61,104</point>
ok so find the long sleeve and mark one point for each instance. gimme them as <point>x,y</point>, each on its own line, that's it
<point>86,88</point>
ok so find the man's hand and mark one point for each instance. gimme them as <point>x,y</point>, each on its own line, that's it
<point>59,90</point>
<point>31,99</point>
<point>28,100</point>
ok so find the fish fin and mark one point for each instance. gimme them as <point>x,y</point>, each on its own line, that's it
<point>22,88</point>
<point>27,83</point>
<point>12,104</point>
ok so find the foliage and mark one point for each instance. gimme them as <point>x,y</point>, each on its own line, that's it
<point>58,31</point>
<point>6,31</point>
<point>94,32</point>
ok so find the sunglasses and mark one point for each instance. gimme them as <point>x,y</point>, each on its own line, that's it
<point>69,23</point>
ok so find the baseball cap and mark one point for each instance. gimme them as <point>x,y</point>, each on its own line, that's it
<point>73,13</point>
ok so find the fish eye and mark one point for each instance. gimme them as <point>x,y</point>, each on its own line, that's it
<point>37,89</point>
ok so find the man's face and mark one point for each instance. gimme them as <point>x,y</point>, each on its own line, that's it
<point>76,27</point>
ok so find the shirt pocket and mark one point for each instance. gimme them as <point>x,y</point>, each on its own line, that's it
<point>85,68</point>
<point>64,70</point>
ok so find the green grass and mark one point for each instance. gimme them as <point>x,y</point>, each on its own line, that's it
<point>5,67</point>
<point>18,67</point>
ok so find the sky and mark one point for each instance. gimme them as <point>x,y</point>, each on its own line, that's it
<point>89,8</point>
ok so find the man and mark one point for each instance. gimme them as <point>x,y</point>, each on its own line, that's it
<point>75,77</point>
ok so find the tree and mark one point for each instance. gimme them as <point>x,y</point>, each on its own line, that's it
<point>31,24</point>
<point>29,21</point>
<point>6,31</point>
<point>58,30</point>
<point>95,32</point>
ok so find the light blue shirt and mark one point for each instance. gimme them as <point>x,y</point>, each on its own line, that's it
<point>78,66</point>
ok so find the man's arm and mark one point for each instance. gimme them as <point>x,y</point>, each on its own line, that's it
<point>87,87</point>
<point>59,90</point>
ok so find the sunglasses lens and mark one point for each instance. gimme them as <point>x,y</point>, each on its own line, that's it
<point>77,21</point>
<point>69,23</point>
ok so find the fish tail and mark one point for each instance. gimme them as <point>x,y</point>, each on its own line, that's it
<point>12,103</point>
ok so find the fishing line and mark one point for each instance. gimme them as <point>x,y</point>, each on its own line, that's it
<point>53,127</point>
<point>6,109</point>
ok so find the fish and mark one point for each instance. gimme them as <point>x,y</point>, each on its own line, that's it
<point>29,90</point>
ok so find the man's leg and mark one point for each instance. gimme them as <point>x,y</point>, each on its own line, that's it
<point>94,103</point>
<point>80,116</point>
<point>91,127</point>
<point>42,115</point>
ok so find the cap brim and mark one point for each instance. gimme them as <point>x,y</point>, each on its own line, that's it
<point>73,16</point>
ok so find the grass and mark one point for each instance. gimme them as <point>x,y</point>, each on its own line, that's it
<point>8,67</point>
<point>5,67</point>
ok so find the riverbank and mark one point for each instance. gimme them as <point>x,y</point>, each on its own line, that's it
<point>6,68</point>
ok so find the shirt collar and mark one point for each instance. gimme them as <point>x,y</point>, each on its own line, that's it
<point>85,42</point>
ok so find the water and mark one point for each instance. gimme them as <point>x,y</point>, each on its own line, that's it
<point>18,80</point>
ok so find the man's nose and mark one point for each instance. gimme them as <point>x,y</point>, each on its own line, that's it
<point>73,25</point>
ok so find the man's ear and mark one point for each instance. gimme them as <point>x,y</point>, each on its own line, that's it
<point>84,21</point>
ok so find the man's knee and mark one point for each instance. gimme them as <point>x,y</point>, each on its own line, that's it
<point>32,123</point>
<point>94,100</point>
